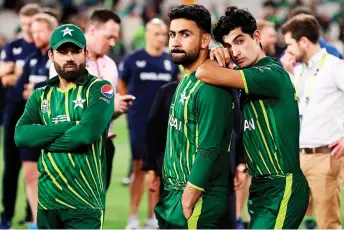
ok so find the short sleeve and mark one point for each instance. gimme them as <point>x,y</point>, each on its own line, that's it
<point>124,69</point>
<point>6,53</point>
<point>263,80</point>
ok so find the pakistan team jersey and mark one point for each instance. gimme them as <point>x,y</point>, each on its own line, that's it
<point>198,136</point>
<point>70,126</point>
<point>270,120</point>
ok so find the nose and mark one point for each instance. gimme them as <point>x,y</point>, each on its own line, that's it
<point>112,42</point>
<point>174,42</point>
<point>235,52</point>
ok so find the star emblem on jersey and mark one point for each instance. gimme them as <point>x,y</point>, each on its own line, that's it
<point>79,103</point>
<point>183,97</point>
<point>67,31</point>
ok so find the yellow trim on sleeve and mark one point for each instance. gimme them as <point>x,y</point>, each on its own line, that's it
<point>196,187</point>
<point>244,80</point>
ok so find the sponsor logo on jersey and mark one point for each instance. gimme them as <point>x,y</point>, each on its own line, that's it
<point>249,124</point>
<point>3,54</point>
<point>45,106</point>
<point>33,62</point>
<point>141,64</point>
<point>107,91</point>
<point>17,51</point>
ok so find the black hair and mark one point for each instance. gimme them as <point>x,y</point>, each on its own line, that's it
<point>234,18</point>
<point>104,15</point>
<point>194,12</point>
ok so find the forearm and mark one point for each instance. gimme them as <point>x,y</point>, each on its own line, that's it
<point>202,168</point>
<point>39,136</point>
<point>190,196</point>
<point>220,76</point>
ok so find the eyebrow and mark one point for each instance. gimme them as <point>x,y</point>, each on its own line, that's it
<point>180,31</point>
<point>237,37</point>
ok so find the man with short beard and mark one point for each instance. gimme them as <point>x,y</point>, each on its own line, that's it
<point>64,120</point>
<point>196,170</point>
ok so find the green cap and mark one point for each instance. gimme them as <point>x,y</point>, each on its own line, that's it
<point>67,33</point>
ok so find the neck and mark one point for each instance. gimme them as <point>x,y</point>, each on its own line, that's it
<point>311,51</point>
<point>27,38</point>
<point>91,54</point>
<point>153,51</point>
<point>44,50</point>
<point>260,56</point>
<point>65,84</point>
<point>194,66</point>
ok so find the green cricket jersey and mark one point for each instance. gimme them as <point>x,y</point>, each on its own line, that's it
<point>199,131</point>
<point>270,120</point>
<point>70,126</point>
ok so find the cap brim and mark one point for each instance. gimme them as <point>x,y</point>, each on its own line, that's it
<point>57,45</point>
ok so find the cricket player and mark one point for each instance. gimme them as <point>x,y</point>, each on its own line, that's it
<point>195,168</point>
<point>68,119</point>
<point>279,191</point>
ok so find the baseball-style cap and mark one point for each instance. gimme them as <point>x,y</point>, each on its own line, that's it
<point>67,33</point>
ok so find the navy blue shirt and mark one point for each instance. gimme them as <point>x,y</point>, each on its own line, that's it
<point>144,75</point>
<point>35,70</point>
<point>329,48</point>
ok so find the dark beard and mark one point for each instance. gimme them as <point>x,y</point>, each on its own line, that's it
<point>70,76</point>
<point>185,60</point>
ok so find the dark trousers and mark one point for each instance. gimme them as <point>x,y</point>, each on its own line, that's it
<point>110,153</point>
<point>12,163</point>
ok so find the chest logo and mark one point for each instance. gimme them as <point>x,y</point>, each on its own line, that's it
<point>141,64</point>
<point>183,97</point>
<point>79,103</point>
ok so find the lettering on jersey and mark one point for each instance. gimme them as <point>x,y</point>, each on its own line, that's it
<point>79,103</point>
<point>183,97</point>
<point>104,99</point>
<point>155,76</point>
<point>45,106</point>
<point>141,64</point>
<point>249,124</point>
<point>17,51</point>
<point>3,54</point>
<point>172,105</point>
<point>60,118</point>
<point>262,68</point>
<point>173,122</point>
<point>168,65</point>
<point>20,63</point>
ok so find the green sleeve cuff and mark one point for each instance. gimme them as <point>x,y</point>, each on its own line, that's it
<point>196,187</point>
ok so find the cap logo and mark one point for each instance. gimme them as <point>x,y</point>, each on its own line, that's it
<point>67,31</point>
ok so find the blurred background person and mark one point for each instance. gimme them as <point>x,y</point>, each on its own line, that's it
<point>142,73</point>
<point>319,89</point>
<point>268,36</point>
<point>12,61</point>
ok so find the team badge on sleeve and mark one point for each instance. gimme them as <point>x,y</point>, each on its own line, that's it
<point>107,91</point>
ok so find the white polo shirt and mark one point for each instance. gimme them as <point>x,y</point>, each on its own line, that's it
<point>322,118</point>
<point>104,68</point>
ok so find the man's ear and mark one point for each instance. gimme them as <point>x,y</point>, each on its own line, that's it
<point>86,53</point>
<point>257,37</point>
<point>206,39</point>
<point>51,55</point>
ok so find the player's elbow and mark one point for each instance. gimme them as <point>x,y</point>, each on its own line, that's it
<point>20,138</point>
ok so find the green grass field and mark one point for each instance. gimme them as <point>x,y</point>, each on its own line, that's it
<point>117,203</point>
